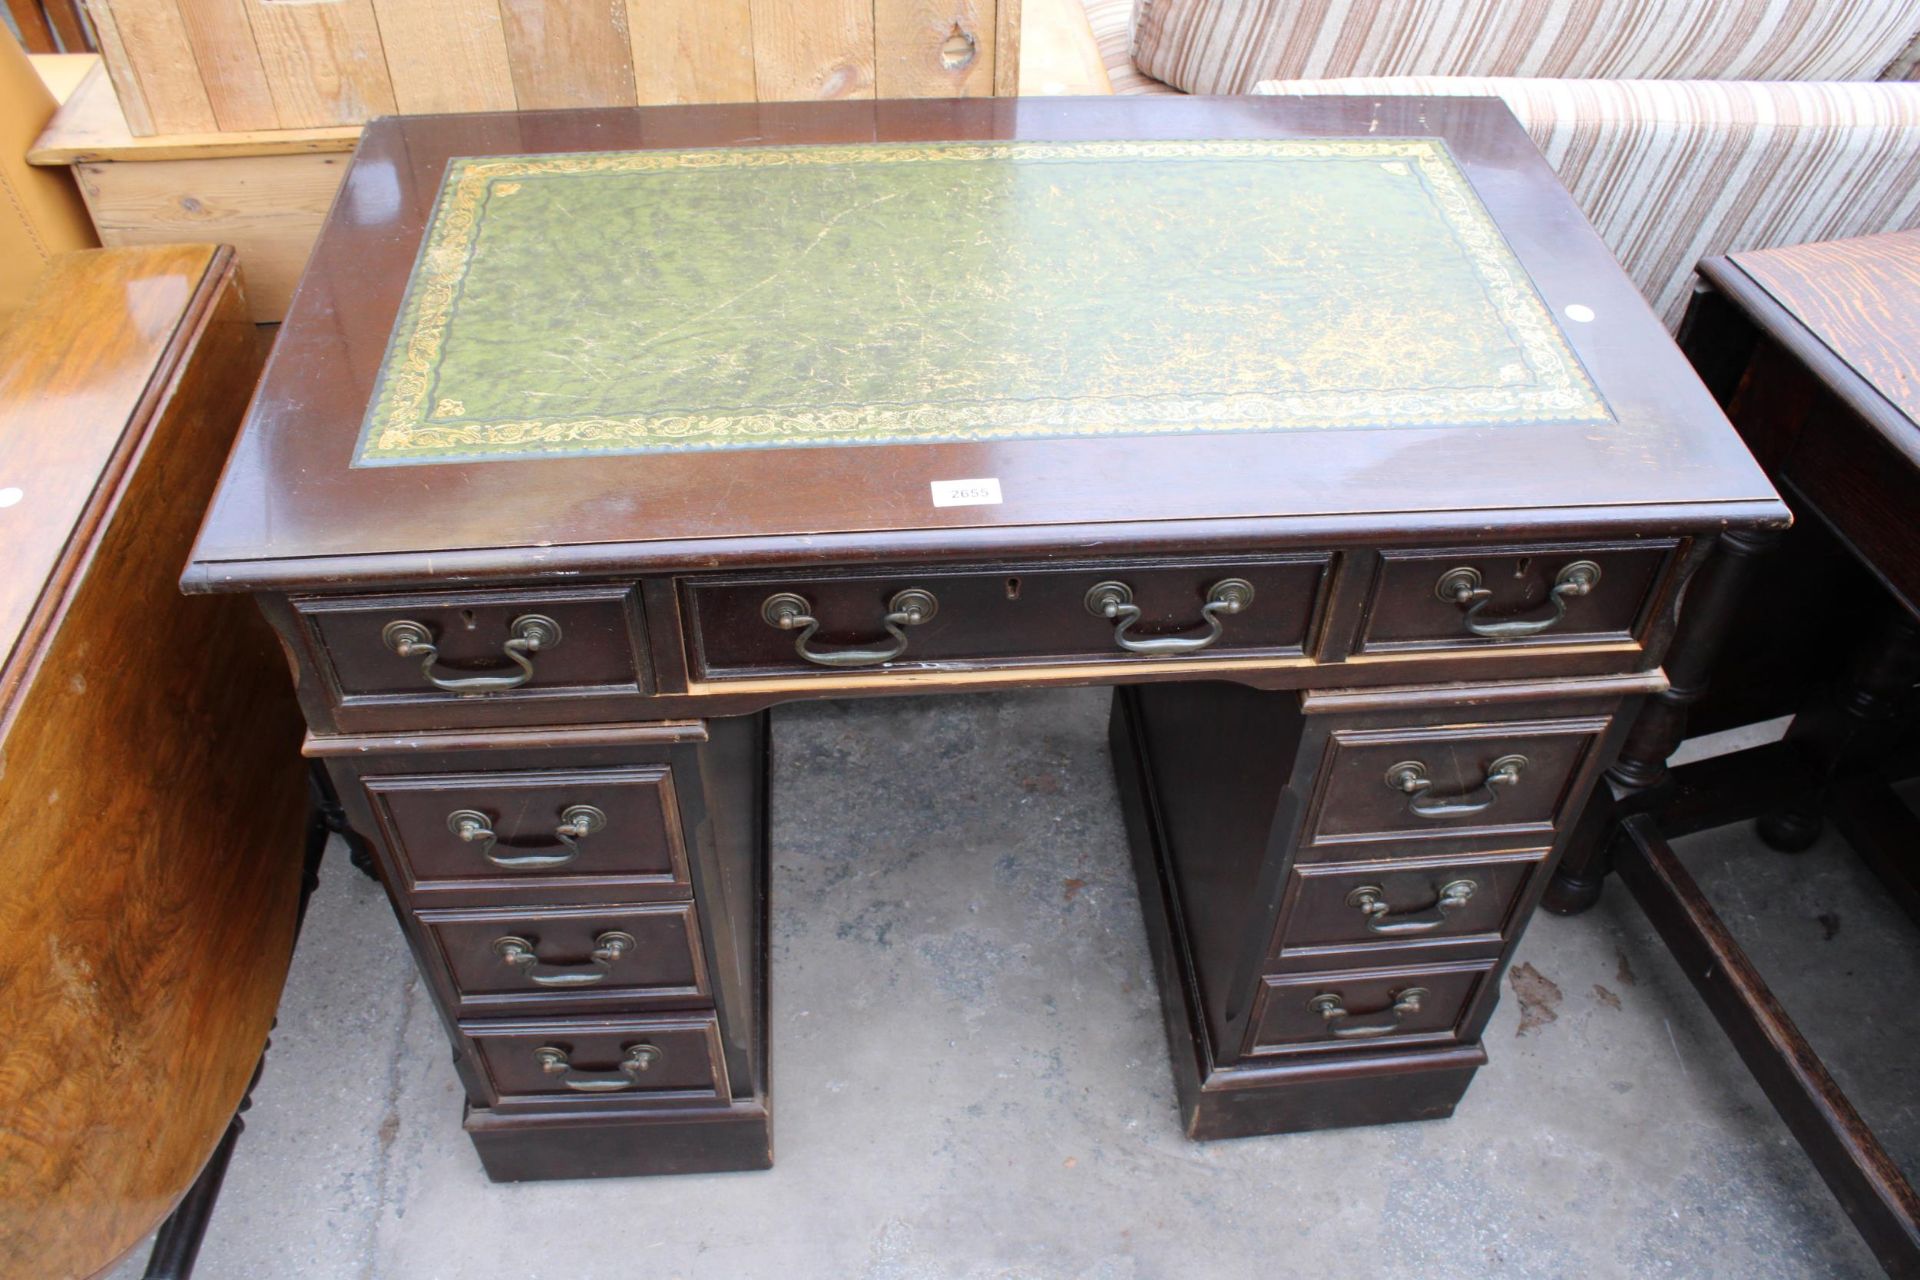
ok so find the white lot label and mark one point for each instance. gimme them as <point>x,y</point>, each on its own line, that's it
<point>966,493</point>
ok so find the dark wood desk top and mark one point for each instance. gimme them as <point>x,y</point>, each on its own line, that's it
<point>294,510</point>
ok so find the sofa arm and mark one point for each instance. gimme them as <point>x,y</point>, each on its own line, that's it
<point>1672,171</point>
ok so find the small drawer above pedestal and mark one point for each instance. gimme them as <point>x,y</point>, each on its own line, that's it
<point>479,657</point>
<point>1445,600</point>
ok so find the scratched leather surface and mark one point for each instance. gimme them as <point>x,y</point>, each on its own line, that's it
<point>777,297</point>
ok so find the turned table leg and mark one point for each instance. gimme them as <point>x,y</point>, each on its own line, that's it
<point>332,817</point>
<point>1634,783</point>
<point>1840,728</point>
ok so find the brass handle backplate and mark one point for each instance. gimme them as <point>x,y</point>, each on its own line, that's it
<point>790,612</point>
<point>1411,777</point>
<point>635,1061</point>
<point>517,953</point>
<point>1371,901</point>
<point>577,821</point>
<point>1465,588</point>
<point>1348,1026</point>
<point>527,635</point>
<point>1114,602</point>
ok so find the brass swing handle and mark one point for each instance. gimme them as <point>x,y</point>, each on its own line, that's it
<point>791,612</point>
<point>517,953</point>
<point>1114,602</point>
<point>577,821</point>
<point>1411,777</point>
<point>1346,1026</point>
<point>527,635</point>
<point>1371,901</point>
<point>1464,587</point>
<point>636,1060</point>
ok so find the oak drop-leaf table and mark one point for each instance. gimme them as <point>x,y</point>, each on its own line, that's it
<point>1326,431</point>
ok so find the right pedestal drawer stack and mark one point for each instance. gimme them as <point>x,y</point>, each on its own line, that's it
<point>1329,943</point>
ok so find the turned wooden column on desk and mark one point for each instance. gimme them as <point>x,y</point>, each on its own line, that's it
<point>1815,352</point>
<point>1370,480</point>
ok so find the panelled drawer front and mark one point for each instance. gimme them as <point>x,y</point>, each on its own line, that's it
<point>1341,914</point>
<point>481,835</point>
<point>600,646</point>
<point>1409,610</point>
<point>1039,614</point>
<point>567,958</point>
<point>1376,1008</point>
<point>1405,785</point>
<point>590,1063</point>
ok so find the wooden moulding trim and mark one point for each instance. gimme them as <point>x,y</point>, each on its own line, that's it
<point>1269,1074</point>
<point>1488,650</point>
<point>486,1120</point>
<point>657,733</point>
<point>1014,671</point>
<point>457,566</point>
<point>1401,698</point>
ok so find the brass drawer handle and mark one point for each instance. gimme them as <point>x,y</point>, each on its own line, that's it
<point>527,635</point>
<point>790,612</point>
<point>1411,777</point>
<point>636,1061</point>
<point>1114,602</point>
<point>1346,1026</point>
<point>1463,587</point>
<point>1371,901</point>
<point>577,821</point>
<point>517,953</point>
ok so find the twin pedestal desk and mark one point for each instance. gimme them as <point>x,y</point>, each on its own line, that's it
<point>1325,431</point>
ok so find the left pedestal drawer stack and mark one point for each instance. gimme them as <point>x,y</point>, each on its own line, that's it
<point>585,903</point>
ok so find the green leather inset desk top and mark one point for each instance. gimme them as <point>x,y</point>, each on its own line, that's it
<point>634,302</point>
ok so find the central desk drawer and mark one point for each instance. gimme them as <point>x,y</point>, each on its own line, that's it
<point>1153,611</point>
<point>596,1063</point>
<point>508,959</point>
<point>613,834</point>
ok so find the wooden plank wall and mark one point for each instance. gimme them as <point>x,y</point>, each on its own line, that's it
<point>50,26</point>
<point>204,66</point>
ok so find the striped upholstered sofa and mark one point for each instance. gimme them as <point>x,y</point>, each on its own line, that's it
<point>1684,128</point>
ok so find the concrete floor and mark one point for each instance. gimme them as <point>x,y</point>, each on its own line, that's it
<point>971,1078</point>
